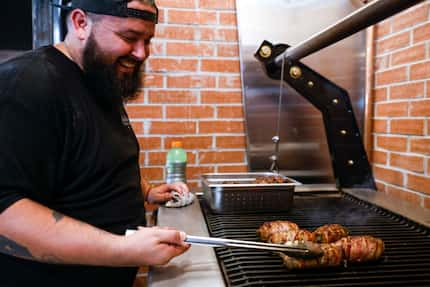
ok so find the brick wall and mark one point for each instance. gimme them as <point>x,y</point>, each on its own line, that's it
<point>192,91</point>
<point>401,124</point>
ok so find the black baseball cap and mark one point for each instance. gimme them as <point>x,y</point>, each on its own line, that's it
<point>111,7</point>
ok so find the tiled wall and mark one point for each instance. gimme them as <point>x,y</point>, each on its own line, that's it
<point>193,92</point>
<point>401,124</point>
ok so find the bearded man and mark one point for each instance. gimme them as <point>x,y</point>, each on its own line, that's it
<point>70,184</point>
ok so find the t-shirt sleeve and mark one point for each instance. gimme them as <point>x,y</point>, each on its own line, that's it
<point>28,138</point>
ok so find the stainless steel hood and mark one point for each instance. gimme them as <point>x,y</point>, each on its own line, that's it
<point>303,151</point>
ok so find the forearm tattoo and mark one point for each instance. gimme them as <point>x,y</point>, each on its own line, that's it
<point>57,216</point>
<point>10,247</point>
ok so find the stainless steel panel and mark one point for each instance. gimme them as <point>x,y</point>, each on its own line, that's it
<point>304,153</point>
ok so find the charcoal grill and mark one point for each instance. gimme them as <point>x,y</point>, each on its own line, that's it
<point>405,262</point>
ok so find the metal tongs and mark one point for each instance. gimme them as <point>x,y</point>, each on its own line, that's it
<point>304,250</point>
<point>297,249</point>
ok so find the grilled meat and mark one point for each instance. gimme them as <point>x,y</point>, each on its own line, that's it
<point>351,249</point>
<point>332,256</point>
<point>291,235</point>
<point>269,228</point>
<point>361,248</point>
<point>330,233</point>
<point>269,179</point>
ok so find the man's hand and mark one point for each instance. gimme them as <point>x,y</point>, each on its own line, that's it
<point>153,246</point>
<point>162,193</point>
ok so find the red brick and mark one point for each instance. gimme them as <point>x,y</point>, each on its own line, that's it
<point>420,145</point>
<point>178,97</point>
<point>221,127</point>
<point>152,112</point>
<point>426,202</point>
<point>156,48</point>
<point>193,81</point>
<point>389,175</point>
<point>191,17</point>
<point>189,112</point>
<point>408,55</point>
<point>380,94</point>
<point>230,112</point>
<point>142,159</point>
<point>175,32</point>
<point>190,49</point>
<point>220,34</point>
<point>407,91</point>
<point>221,97</point>
<point>148,143</point>
<point>176,3</point>
<point>383,28</point>
<point>391,143</point>
<point>232,168</point>
<point>161,16</point>
<point>411,17</point>
<point>420,71</point>
<point>169,65</point>
<point>379,157</point>
<point>391,76</point>
<point>407,127</point>
<point>191,142</point>
<point>228,50</point>
<point>218,5</point>
<point>152,80</point>
<point>230,82</point>
<point>380,126</point>
<point>174,128</point>
<point>404,195</point>
<point>420,108</point>
<point>392,43</point>
<point>221,157</point>
<point>419,183</point>
<point>391,109</point>
<point>411,163</point>
<point>230,142</point>
<point>227,19</point>
<point>422,33</point>
<point>137,127</point>
<point>220,65</point>
<point>152,173</point>
<point>157,158</point>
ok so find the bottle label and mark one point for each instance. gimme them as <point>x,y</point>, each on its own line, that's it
<point>176,172</point>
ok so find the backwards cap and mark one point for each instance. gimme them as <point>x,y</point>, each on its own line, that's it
<point>112,7</point>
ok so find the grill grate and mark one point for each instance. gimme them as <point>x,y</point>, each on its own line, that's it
<point>405,262</point>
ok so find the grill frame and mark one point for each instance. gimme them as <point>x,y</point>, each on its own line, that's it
<point>402,237</point>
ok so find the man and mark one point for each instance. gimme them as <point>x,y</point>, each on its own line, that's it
<point>69,171</point>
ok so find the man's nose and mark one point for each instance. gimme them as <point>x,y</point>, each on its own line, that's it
<point>140,51</point>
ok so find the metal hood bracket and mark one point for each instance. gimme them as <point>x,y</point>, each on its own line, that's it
<point>348,156</point>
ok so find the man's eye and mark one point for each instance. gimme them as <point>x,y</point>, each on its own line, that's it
<point>128,39</point>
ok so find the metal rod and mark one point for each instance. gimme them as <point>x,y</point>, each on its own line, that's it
<point>364,17</point>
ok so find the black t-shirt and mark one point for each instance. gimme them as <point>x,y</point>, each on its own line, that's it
<point>62,148</point>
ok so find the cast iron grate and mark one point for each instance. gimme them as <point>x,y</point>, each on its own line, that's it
<point>405,262</point>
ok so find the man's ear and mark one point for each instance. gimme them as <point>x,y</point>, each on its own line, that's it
<point>81,24</point>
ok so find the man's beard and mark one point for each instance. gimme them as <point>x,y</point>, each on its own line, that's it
<point>102,76</point>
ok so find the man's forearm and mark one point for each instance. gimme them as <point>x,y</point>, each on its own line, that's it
<point>31,231</point>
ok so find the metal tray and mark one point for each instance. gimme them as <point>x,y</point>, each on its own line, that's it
<point>238,192</point>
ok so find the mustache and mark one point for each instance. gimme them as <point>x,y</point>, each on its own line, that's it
<point>131,59</point>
